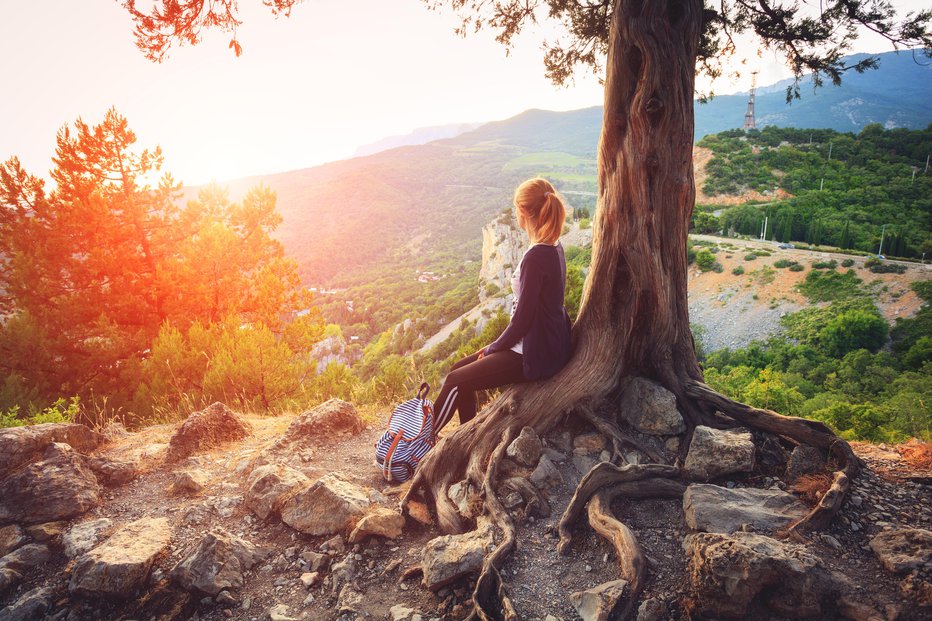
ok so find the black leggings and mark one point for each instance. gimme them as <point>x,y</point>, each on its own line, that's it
<point>471,374</point>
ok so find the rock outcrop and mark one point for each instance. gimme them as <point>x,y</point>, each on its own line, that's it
<point>217,563</point>
<point>57,487</point>
<point>651,408</point>
<point>121,564</point>
<point>331,505</point>
<point>20,445</point>
<point>715,509</point>
<point>904,549</point>
<point>213,426</point>
<point>503,244</point>
<point>268,487</point>
<point>717,452</point>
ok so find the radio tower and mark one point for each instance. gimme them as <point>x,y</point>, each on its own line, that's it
<point>749,122</point>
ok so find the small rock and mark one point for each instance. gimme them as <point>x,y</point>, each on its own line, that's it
<point>460,494</point>
<point>27,557</point>
<point>903,549</point>
<point>378,522</point>
<point>652,609</point>
<point>715,452</point>
<point>599,603</point>
<point>311,578</point>
<point>11,537</point>
<point>651,408</point>
<point>401,613</point>
<point>113,473</point>
<point>315,561</point>
<point>9,578</point>
<point>804,459</point>
<point>225,598</point>
<point>47,531</point>
<point>512,500</point>
<point>331,505</point>
<point>33,605</point>
<point>217,563</point>
<point>546,475</point>
<point>446,559</point>
<point>85,535</point>
<point>190,482</point>
<point>280,613</point>
<point>672,444</point>
<point>831,542</point>
<point>334,545</point>
<point>268,487</point>
<point>589,442</point>
<point>526,448</point>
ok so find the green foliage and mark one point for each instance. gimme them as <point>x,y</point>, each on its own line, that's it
<point>830,285</point>
<point>784,263</point>
<point>888,268</point>
<point>738,271</point>
<point>796,267</point>
<point>750,256</point>
<point>845,263</point>
<point>585,223</point>
<point>851,330</point>
<point>61,411</point>
<point>923,289</point>
<point>830,264</point>
<point>705,260</point>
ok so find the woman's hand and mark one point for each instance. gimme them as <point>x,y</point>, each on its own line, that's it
<point>481,354</point>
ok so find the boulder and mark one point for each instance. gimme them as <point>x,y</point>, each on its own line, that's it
<point>33,605</point>
<point>113,473</point>
<point>715,509</point>
<point>190,482</point>
<point>217,563</point>
<point>121,564</point>
<point>736,576</point>
<point>546,475</point>
<point>9,578</point>
<point>330,417</point>
<point>450,557</point>
<point>268,487</point>
<point>47,531</point>
<point>213,426</point>
<point>804,459</point>
<point>599,603</point>
<point>27,557</point>
<point>378,522</point>
<point>20,445</point>
<point>84,536</point>
<point>331,505</point>
<point>717,452</point>
<point>525,449</point>
<point>903,549</point>
<point>11,537</point>
<point>651,408</point>
<point>58,487</point>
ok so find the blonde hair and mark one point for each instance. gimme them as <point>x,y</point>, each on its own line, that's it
<point>538,202</point>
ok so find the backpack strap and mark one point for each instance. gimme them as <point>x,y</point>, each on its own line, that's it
<point>428,411</point>
<point>389,455</point>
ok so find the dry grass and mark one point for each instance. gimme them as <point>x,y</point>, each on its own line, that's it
<point>811,487</point>
<point>917,454</point>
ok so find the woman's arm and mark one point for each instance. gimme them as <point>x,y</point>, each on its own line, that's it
<point>532,278</point>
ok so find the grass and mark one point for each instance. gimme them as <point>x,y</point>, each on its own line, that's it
<point>547,159</point>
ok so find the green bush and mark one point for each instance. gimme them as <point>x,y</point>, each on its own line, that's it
<point>738,271</point>
<point>782,263</point>
<point>585,223</point>
<point>847,263</point>
<point>750,256</point>
<point>888,268</point>
<point>852,330</point>
<point>705,260</point>
<point>796,267</point>
<point>717,268</point>
<point>830,285</point>
<point>826,265</point>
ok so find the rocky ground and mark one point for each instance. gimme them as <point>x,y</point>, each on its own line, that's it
<point>231,516</point>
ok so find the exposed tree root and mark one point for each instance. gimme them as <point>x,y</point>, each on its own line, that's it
<point>490,601</point>
<point>631,561</point>
<point>619,437</point>
<point>802,430</point>
<point>536,502</point>
<point>600,476</point>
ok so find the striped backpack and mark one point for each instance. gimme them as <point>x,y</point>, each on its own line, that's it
<point>410,435</point>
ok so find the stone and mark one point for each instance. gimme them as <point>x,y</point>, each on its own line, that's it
<point>715,509</point>
<point>11,537</point>
<point>27,557</point>
<point>330,417</point>
<point>901,550</point>
<point>546,475</point>
<point>113,473</point>
<point>315,561</point>
<point>512,500</point>
<point>732,574</point>
<point>21,445</point>
<point>9,578</point>
<point>652,609</point>
<point>33,605</point>
<point>650,408</point>
<point>217,563</point>
<point>280,613</point>
<point>584,463</point>
<point>310,578</point>
<point>268,487</point>
<point>350,600</point>
<point>47,531</point>
<point>589,442</point>
<point>225,598</point>
<point>343,572</point>
<point>716,452</point>
<point>804,459</point>
<point>672,444</point>
<point>448,558</point>
<point>771,452</point>
<point>190,482</point>
<point>378,522</point>
<point>121,564</point>
<point>213,426</point>
<point>331,505</point>
<point>57,487</point>
<point>84,536</point>
<point>460,494</point>
<point>334,545</point>
<point>599,603</point>
<point>526,448</point>
<point>400,612</point>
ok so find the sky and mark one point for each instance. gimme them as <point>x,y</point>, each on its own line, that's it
<point>307,90</point>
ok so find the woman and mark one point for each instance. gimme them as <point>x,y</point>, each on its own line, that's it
<point>536,343</point>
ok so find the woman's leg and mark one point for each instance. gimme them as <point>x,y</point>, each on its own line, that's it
<point>471,374</point>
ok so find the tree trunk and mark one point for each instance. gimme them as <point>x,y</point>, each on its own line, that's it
<point>633,317</point>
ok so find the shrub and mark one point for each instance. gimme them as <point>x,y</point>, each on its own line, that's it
<point>782,263</point>
<point>871,262</point>
<point>851,330</point>
<point>847,263</point>
<point>796,267</point>
<point>826,265</point>
<point>738,271</point>
<point>585,223</point>
<point>750,256</point>
<point>888,268</point>
<point>717,268</point>
<point>705,260</point>
<point>830,285</point>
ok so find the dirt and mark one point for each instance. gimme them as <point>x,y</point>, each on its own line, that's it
<point>538,579</point>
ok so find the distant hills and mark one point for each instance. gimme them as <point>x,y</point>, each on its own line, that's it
<point>404,207</point>
<point>421,135</point>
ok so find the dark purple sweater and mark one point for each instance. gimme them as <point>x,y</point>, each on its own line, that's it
<point>540,317</point>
